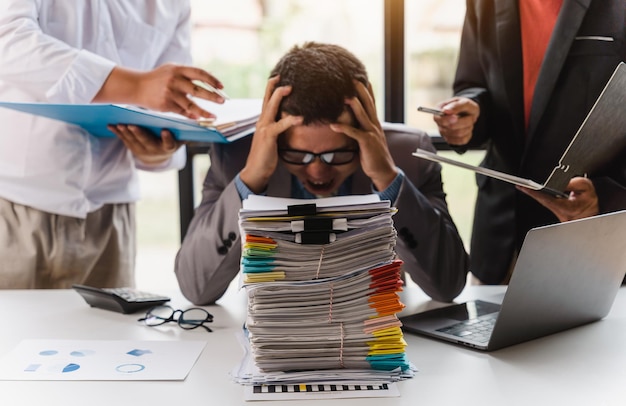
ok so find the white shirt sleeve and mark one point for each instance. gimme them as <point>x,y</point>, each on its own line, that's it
<point>62,51</point>
<point>48,68</point>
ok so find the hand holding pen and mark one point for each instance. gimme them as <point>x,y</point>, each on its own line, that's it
<point>455,119</point>
<point>169,87</point>
<point>211,88</point>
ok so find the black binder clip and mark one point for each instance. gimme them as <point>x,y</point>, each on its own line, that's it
<point>302,209</point>
<point>316,237</point>
<point>318,224</point>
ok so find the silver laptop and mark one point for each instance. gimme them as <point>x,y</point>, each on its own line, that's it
<point>566,275</point>
<point>599,139</point>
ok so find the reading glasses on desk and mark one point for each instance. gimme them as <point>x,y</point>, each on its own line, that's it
<point>187,319</point>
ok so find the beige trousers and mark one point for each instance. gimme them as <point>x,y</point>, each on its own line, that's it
<point>43,250</point>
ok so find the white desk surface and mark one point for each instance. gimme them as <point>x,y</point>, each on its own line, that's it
<point>582,366</point>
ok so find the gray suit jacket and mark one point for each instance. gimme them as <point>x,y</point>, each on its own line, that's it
<point>588,42</point>
<point>428,243</point>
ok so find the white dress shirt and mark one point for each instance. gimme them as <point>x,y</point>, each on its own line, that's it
<point>62,51</point>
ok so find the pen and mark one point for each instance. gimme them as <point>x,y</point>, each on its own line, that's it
<point>210,88</point>
<point>437,112</point>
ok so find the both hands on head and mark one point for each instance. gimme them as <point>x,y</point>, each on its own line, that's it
<point>374,155</point>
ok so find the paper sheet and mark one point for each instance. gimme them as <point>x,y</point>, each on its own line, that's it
<point>78,360</point>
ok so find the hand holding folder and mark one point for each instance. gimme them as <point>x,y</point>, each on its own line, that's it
<point>236,118</point>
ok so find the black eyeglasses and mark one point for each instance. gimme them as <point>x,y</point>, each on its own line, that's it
<point>335,157</point>
<point>187,319</point>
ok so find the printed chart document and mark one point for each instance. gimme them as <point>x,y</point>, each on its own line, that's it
<point>600,138</point>
<point>236,118</point>
<point>100,360</point>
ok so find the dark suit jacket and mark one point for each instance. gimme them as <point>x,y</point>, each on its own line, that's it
<point>587,44</point>
<point>428,243</point>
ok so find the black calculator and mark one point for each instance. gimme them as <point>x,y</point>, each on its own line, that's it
<point>122,300</point>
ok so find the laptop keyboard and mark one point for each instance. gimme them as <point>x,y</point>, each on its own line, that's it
<point>478,329</point>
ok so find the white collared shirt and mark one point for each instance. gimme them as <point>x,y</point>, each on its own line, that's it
<point>62,51</point>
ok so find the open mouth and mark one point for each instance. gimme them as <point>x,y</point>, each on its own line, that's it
<point>318,187</point>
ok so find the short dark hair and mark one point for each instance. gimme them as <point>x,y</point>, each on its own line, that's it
<point>321,76</point>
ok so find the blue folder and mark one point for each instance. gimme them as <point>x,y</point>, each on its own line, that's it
<point>94,118</point>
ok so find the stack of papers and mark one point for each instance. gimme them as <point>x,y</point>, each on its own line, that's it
<point>322,281</point>
<point>236,118</point>
<point>337,383</point>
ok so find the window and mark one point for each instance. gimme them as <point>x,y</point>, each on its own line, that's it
<point>432,38</point>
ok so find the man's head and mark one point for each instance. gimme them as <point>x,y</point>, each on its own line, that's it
<point>322,78</point>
